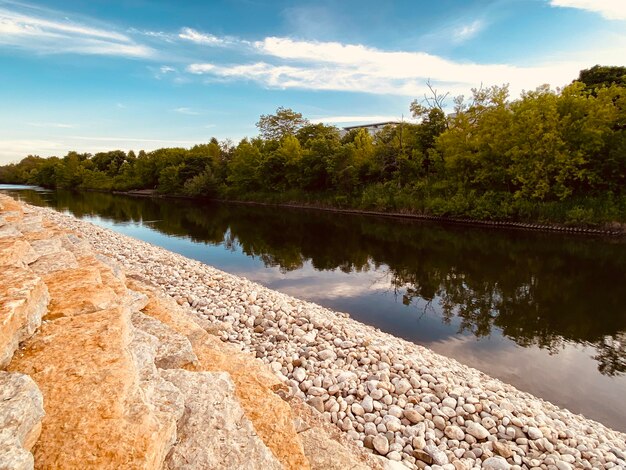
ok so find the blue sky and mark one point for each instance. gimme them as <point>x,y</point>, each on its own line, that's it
<point>138,74</point>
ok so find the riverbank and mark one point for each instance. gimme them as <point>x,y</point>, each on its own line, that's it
<point>394,397</point>
<point>611,230</point>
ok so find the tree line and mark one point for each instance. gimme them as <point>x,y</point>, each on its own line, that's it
<point>549,155</point>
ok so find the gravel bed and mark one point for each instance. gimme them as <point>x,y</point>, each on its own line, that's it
<point>393,397</point>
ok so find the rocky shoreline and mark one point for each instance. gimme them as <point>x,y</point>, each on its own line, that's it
<point>391,397</point>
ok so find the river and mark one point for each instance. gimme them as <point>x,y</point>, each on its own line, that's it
<point>545,312</point>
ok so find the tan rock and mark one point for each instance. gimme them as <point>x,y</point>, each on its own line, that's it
<point>77,291</point>
<point>503,449</point>
<point>50,263</point>
<point>173,350</point>
<point>9,231</point>
<point>47,246</point>
<point>16,252</point>
<point>97,415</point>
<point>23,300</point>
<point>214,432</point>
<point>30,223</point>
<point>21,411</point>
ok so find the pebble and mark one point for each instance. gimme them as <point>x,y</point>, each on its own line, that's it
<point>477,430</point>
<point>381,444</point>
<point>496,463</point>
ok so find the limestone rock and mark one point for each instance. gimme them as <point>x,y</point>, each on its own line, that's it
<point>23,300</point>
<point>16,252</point>
<point>9,231</point>
<point>47,246</point>
<point>173,350</point>
<point>21,411</point>
<point>54,262</point>
<point>214,431</point>
<point>96,413</point>
<point>77,291</point>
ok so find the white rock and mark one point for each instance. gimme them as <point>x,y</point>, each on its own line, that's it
<point>454,432</point>
<point>392,423</point>
<point>381,444</point>
<point>534,433</point>
<point>368,404</point>
<point>496,463</point>
<point>477,430</point>
<point>327,355</point>
<point>403,386</point>
<point>413,416</point>
<point>357,410</point>
<point>299,374</point>
<point>439,457</point>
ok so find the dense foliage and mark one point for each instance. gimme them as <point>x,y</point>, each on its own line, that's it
<point>557,156</point>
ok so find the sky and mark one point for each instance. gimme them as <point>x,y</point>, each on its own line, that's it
<point>138,74</point>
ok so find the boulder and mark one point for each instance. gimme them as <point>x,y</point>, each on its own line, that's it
<point>97,414</point>
<point>214,431</point>
<point>21,411</point>
<point>173,350</point>
<point>23,301</point>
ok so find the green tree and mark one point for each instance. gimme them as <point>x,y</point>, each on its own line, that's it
<point>243,168</point>
<point>600,76</point>
<point>285,122</point>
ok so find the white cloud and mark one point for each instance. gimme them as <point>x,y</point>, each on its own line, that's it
<point>353,67</point>
<point>164,69</point>
<point>59,35</point>
<point>187,111</point>
<point>200,38</point>
<point>609,9</point>
<point>468,31</point>
<point>352,119</point>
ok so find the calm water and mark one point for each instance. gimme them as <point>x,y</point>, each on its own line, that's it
<point>544,312</point>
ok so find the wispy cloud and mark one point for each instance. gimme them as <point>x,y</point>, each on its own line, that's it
<point>57,34</point>
<point>294,64</point>
<point>353,67</point>
<point>609,9</point>
<point>468,31</point>
<point>185,110</point>
<point>54,125</point>
<point>192,35</point>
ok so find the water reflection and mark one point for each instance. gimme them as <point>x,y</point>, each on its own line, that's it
<point>438,285</point>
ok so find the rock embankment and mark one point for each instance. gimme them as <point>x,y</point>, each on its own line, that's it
<point>100,370</point>
<point>391,397</point>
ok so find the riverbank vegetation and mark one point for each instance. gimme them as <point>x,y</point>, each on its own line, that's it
<point>548,156</point>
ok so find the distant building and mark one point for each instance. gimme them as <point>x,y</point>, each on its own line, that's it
<point>372,129</point>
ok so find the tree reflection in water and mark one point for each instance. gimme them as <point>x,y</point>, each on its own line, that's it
<point>539,290</point>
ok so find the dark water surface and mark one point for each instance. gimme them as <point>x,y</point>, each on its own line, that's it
<point>544,312</point>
